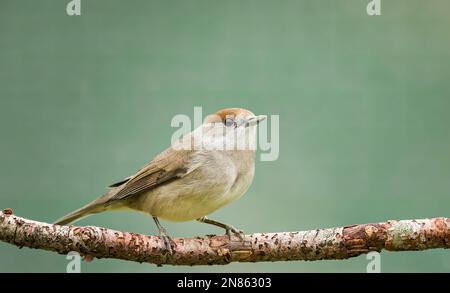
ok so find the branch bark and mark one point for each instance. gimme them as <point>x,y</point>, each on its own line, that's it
<point>330,243</point>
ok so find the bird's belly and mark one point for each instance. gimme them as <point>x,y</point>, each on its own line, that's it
<point>180,202</point>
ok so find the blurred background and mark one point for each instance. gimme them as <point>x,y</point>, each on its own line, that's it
<point>363,102</point>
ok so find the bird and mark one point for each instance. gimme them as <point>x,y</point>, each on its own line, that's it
<point>196,175</point>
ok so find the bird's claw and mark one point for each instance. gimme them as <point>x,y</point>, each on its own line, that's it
<point>236,232</point>
<point>169,244</point>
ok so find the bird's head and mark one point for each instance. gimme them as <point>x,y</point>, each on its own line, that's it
<point>235,117</point>
<point>234,127</point>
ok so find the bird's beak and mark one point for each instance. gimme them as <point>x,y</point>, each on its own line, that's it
<point>255,120</point>
<point>260,118</point>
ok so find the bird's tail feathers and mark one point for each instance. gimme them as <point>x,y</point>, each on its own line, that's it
<point>94,207</point>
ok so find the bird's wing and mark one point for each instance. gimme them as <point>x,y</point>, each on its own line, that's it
<point>167,166</point>
<point>117,184</point>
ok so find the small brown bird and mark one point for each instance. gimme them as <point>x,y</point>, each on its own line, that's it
<point>198,174</point>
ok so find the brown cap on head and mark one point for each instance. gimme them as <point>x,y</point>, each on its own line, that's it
<point>221,115</point>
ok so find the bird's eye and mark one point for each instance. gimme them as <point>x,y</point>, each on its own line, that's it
<point>229,122</point>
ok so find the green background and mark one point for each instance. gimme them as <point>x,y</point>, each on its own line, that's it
<point>363,104</point>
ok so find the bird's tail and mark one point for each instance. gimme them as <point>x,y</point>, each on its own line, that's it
<point>91,208</point>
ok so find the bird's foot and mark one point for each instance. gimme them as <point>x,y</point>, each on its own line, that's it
<point>230,229</point>
<point>169,244</point>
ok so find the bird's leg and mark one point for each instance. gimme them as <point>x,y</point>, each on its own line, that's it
<point>168,242</point>
<point>228,228</point>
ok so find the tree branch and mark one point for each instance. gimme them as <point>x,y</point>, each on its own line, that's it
<point>331,243</point>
